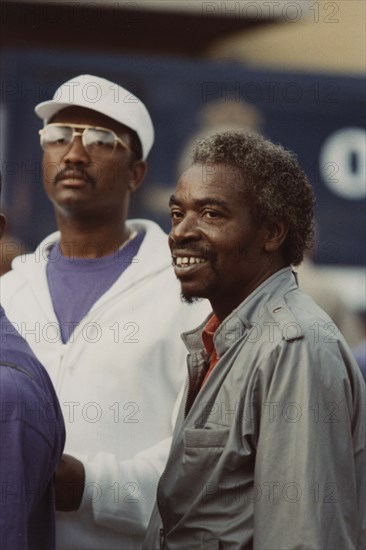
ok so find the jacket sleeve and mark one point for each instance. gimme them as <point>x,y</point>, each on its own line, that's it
<point>124,505</point>
<point>310,450</point>
<point>27,460</point>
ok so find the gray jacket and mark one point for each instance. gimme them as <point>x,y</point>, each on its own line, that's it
<point>271,452</point>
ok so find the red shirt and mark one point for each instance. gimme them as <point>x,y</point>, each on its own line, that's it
<point>207,337</point>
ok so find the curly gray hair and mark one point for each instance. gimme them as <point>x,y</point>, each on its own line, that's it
<point>273,180</point>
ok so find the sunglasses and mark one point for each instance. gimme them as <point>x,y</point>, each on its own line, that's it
<point>97,142</point>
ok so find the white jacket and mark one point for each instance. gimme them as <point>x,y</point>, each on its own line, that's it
<point>117,379</point>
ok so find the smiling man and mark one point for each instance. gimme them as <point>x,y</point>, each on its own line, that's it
<point>269,447</point>
<point>99,304</point>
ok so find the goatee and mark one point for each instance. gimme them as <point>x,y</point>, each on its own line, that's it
<point>190,299</point>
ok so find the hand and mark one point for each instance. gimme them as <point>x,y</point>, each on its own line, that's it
<point>69,483</point>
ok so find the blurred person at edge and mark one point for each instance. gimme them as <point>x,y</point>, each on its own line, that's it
<point>99,304</point>
<point>10,248</point>
<point>32,436</point>
<point>269,448</point>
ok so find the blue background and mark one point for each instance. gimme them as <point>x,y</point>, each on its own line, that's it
<point>300,111</point>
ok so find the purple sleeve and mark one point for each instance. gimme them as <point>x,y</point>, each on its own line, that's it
<point>28,456</point>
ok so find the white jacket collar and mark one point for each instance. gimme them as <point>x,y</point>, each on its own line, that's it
<point>153,257</point>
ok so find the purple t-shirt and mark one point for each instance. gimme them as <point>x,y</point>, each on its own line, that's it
<point>76,284</point>
<point>32,436</point>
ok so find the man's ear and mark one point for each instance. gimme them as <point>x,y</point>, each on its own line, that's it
<point>138,172</point>
<point>2,224</point>
<point>277,232</point>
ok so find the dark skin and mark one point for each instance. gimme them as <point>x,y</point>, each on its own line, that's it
<point>69,483</point>
<point>91,199</point>
<point>91,196</point>
<point>219,251</point>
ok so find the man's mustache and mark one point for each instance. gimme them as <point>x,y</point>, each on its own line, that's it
<point>73,173</point>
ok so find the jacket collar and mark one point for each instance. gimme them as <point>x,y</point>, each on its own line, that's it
<point>153,257</point>
<point>154,247</point>
<point>265,296</point>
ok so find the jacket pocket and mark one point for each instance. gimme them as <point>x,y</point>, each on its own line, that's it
<point>203,438</point>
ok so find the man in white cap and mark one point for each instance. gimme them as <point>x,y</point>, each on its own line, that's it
<point>99,305</point>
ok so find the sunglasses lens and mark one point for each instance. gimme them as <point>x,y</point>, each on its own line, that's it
<point>56,137</point>
<point>99,142</point>
<point>96,141</point>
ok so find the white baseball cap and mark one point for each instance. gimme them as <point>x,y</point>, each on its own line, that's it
<point>103,96</point>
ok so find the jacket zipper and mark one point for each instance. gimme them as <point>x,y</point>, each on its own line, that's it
<point>194,384</point>
<point>61,373</point>
<point>190,394</point>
